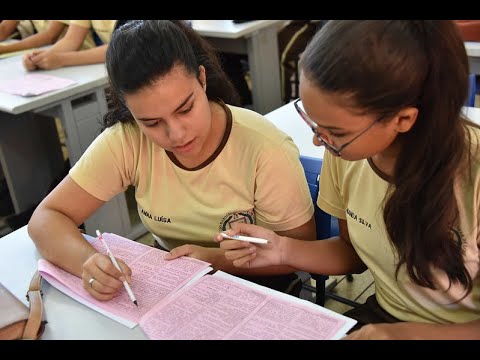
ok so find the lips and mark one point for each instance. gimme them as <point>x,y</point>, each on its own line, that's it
<point>185,147</point>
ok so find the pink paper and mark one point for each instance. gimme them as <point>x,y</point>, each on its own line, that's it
<point>34,84</point>
<point>153,277</point>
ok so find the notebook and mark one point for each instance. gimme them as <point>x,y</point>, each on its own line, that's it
<point>181,299</point>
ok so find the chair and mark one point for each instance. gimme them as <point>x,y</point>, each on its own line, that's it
<point>472,90</point>
<point>326,227</point>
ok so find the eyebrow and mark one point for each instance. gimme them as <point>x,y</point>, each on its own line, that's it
<point>330,127</point>
<point>178,108</point>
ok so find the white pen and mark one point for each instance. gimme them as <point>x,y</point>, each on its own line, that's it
<point>246,238</point>
<point>114,261</point>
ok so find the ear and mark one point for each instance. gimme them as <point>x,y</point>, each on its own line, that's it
<point>202,76</point>
<point>405,119</point>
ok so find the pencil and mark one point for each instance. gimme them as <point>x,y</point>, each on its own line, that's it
<point>246,238</point>
<point>114,261</point>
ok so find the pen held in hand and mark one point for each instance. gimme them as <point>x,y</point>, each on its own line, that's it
<point>246,238</point>
<point>115,263</point>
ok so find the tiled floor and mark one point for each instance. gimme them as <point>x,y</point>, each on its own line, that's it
<point>358,290</point>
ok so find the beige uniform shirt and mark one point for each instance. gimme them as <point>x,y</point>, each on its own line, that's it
<point>255,176</point>
<point>103,28</point>
<point>354,191</point>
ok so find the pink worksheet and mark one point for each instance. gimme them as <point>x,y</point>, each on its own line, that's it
<point>34,84</point>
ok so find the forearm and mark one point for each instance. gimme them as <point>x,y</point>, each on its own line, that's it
<point>7,28</point>
<point>59,241</point>
<point>332,256</point>
<point>30,42</point>
<point>85,57</point>
<point>465,331</point>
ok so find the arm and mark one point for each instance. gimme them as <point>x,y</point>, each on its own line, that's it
<point>95,55</point>
<point>53,57</point>
<point>218,260</point>
<point>48,60</point>
<point>54,230</point>
<point>332,256</point>
<point>54,226</point>
<point>73,39</point>
<point>47,37</point>
<point>418,331</point>
<point>7,28</point>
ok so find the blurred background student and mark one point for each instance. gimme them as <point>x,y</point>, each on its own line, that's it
<point>68,51</point>
<point>42,33</point>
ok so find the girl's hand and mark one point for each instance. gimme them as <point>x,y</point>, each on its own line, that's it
<point>195,251</point>
<point>47,60</point>
<point>28,64</point>
<point>249,255</point>
<point>108,280</point>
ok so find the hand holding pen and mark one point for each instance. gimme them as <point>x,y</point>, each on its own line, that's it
<point>115,263</point>
<point>251,246</point>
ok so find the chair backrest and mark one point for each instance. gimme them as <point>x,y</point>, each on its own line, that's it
<point>472,90</point>
<point>312,167</point>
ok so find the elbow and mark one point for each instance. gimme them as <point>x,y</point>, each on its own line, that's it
<point>33,227</point>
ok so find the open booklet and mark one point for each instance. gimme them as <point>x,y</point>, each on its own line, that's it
<point>178,300</point>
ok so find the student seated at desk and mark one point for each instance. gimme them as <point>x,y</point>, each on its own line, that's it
<point>402,174</point>
<point>68,51</point>
<point>47,32</point>
<point>198,163</point>
<point>20,29</point>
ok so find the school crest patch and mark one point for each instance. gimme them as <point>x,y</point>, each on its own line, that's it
<point>247,217</point>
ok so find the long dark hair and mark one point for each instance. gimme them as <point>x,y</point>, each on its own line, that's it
<point>142,51</point>
<point>382,67</point>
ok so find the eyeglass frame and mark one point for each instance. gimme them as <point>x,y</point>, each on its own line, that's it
<point>312,125</point>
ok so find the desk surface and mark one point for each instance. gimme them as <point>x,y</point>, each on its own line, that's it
<point>472,48</point>
<point>228,29</point>
<point>86,76</point>
<point>67,318</point>
<point>287,119</point>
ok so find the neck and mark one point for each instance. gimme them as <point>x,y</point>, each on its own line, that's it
<point>386,160</point>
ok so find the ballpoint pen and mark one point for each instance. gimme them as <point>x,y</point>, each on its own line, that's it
<point>246,238</point>
<point>114,261</point>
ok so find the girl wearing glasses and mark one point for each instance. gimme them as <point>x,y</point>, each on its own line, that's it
<point>198,164</point>
<point>402,174</point>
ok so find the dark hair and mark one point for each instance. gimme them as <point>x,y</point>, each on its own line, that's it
<point>382,66</point>
<point>142,51</point>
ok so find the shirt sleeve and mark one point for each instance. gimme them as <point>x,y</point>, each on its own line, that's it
<point>330,199</point>
<point>83,23</point>
<point>104,170</point>
<point>282,199</point>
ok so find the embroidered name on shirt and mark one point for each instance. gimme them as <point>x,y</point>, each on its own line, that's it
<point>358,219</point>
<point>155,217</point>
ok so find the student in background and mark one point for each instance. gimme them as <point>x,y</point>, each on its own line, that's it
<point>67,51</point>
<point>402,174</point>
<point>19,29</point>
<point>198,163</point>
<point>45,35</point>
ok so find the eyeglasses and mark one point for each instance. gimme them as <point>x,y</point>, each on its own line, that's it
<point>336,151</point>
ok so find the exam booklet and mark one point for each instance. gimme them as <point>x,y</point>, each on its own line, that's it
<point>153,278</point>
<point>178,300</point>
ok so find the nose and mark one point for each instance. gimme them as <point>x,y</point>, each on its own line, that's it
<point>322,139</point>
<point>176,131</point>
